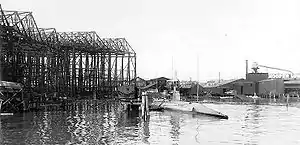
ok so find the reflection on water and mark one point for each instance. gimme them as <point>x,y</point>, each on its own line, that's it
<point>106,123</point>
<point>252,124</point>
<point>175,127</point>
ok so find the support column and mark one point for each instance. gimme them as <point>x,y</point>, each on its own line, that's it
<point>128,69</point>
<point>116,82</point>
<point>73,73</point>
<point>122,71</point>
<point>80,75</point>
<point>109,73</point>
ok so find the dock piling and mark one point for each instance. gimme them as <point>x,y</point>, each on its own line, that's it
<point>145,106</point>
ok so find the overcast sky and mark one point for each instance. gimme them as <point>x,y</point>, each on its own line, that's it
<point>222,33</point>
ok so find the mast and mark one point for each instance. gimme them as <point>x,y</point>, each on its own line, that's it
<point>197,78</point>
<point>172,69</point>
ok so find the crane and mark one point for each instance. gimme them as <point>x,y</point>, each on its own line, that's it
<point>256,66</point>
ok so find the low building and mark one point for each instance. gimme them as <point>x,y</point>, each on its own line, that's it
<point>173,83</point>
<point>160,82</point>
<point>246,88</point>
<point>140,82</point>
<point>270,87</point>
<point>240,86</point>
<point>190,89</point>
<point>292,87</point>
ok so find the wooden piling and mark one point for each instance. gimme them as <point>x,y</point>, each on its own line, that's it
<point>145,106</point>
<point>287,100</point>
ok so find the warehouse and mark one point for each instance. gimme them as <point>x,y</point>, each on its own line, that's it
<point>190,89</point>
<point>240,86</point>
<point>270,87</point>
<point>292,87</point>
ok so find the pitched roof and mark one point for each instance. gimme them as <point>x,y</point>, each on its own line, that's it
<point>217,84</point>
<point>295,82</point>
<point>148,86</point>
<point>138,79</point>
<point>189,85</point>
<point>159,78</point>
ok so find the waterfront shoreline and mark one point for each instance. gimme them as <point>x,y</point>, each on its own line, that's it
<point>247,101</point>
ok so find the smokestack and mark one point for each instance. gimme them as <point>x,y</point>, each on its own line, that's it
<point>246,68</point>
<point>219,77</point>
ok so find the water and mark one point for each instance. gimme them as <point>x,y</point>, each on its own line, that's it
<point>108,124</point>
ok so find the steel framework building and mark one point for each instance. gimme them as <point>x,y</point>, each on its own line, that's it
<point>69,63</point>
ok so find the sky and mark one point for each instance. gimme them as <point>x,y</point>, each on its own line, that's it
<point>220,34</point>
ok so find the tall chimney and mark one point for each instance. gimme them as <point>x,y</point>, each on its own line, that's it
<point>246,68</point>
<point>219,77</point>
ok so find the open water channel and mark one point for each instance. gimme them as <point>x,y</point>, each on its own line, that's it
<point>108,124</point>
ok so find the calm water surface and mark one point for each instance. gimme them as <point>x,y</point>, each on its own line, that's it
<point>106,123</point>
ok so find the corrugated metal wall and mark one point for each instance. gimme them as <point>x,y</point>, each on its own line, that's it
<point>271,85</point>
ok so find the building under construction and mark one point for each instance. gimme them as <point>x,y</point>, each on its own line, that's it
<point>68,64</point>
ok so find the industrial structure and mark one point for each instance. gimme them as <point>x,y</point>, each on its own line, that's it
<point>272,84</point>
<point>68,64</point>
<point>258,83</point>
<point>286,75</point>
